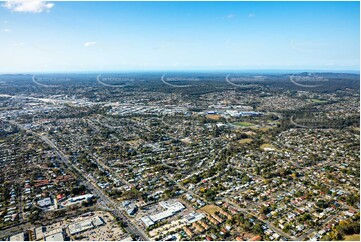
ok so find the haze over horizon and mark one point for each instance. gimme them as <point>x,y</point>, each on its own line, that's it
<point>178,36</point>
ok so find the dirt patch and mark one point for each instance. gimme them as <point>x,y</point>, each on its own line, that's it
<point>213,116</point>
<point>211,209</point>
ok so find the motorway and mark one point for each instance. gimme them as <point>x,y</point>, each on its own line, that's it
<point>131,227</point>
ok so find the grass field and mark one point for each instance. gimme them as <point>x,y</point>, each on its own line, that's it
<point>316,101</point>
<point>245,141</point>
<point>244,124</point>
<point>267,147</point>
<point>211,209</point>
<point>354,237</point>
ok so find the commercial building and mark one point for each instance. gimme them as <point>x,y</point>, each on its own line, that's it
<point>45,202</point>
<point>193,217</point>
<point>76,200</point>
<point>84,225</point>
<point>17,237</point>
<point>39,233</point>
<point>171,208</point>
<point>55,237</point>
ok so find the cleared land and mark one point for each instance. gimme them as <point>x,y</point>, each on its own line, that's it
<point>213,116</point>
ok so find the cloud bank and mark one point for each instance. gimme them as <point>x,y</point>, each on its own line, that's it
<point>28,6</point>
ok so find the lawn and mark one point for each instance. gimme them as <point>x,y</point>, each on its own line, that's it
<point>245,141</point>
<point>267,147</point>
<point>244,124</point>
<point>354,237</point>
<point>316,101</point>
<point>264,129</point>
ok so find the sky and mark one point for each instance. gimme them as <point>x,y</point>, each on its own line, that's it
<point>119,36</point>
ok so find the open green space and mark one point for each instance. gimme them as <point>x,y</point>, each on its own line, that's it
<point>316,101</point>
<point>244,124</point>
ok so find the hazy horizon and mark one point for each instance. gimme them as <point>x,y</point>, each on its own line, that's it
<point>246,71</point>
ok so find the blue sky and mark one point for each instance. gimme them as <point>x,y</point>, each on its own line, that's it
<point>111,36</point>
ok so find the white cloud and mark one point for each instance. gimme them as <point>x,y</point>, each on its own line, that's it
<point>231,15</point>
<point>251,15</point>
<point>87,44</point>
<point>29,6</point>
<point>6,30</point>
